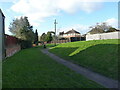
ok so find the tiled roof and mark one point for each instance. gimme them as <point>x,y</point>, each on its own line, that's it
<point>2,13</point>
<point>72,31</point>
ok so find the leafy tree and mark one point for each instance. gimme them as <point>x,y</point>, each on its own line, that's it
<point>103,26</point>
<point>49,37</point>
<point>22,29</point>
<point>43,37</point>
<point>99,28</point>
<point>96,30</point>
<point>36,37</point>
<point>111,29</point>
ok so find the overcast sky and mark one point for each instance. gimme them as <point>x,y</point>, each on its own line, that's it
<point>76,14</point>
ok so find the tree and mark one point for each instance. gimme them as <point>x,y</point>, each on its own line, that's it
<point>22,29</point>
<point>99,28</point>
<point>36,37</point>
<point>103,26</point>
<point>49,37</point>
<point>111,29</point>
<point>96,30</point>
<point>43,37</point>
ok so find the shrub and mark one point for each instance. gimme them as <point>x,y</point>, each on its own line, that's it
<point>25,44</point>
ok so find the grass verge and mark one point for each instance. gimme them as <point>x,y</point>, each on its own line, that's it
<point>32,69</point>
<point>98,55</point>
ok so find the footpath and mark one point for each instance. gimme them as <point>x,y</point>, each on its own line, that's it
<point>100,79</point>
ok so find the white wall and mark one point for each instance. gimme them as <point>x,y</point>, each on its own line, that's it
<point>1,36</point>
<point>0,51</point>
<point>2,44</point>
<point>111,35</point>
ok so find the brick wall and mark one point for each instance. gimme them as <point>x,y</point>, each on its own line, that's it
<point>12,50</point>
<point>12,45</point>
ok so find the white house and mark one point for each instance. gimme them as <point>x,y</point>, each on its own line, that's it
<point>2,36</point>
<point>72,35</point>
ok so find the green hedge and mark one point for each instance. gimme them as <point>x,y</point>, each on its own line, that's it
<point>25,44</point>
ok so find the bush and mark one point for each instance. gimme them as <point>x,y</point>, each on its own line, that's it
<point>25,44</point>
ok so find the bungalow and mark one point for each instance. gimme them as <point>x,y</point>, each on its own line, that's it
<point>2,35</point>
<point>72,35</point>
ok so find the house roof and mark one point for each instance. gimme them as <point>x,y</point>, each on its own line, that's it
<point>61,33</point>
<point>117,30</point>
<point>72,31</point>
<point>2,13</point>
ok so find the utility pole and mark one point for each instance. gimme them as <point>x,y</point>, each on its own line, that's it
<point>55,30</point>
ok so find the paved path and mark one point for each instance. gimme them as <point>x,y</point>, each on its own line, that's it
<point>102,80</point>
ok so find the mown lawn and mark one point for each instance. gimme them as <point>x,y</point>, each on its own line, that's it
<point>32,69</point>
<point>98,55</point>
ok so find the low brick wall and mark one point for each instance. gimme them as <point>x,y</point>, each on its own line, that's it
<point>12,45</point>
<point>12,50</point>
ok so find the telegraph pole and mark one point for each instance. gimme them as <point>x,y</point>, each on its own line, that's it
<point>55,30</point>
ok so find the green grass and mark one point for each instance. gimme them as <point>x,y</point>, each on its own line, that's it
<point>32,69</point>
<point>98,55</point>
<point>48,45</point>
<point>51,45</point>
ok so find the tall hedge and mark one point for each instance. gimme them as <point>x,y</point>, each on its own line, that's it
<point>25,44</point>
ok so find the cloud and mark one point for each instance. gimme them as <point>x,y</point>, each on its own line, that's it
<point>7,0</point>
<point>113,22</point>
<point>78,27</point>
<point>38,10</point>
<point>91,6</point>
<point>83,29</point>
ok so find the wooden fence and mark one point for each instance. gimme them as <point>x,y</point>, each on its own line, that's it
<point>60,41</point>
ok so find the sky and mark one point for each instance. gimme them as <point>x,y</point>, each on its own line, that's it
<point>70,14</point>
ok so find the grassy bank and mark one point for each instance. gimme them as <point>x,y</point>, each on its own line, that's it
<point>98,55</point>
<point>32,69</point>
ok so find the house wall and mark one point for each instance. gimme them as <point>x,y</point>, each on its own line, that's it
<point>71,35</point>
<point>111,35</point>
<point>1,36</point>
<point>60,41</point>
<point>2,50</point>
